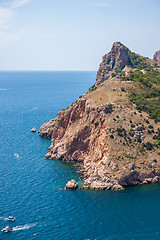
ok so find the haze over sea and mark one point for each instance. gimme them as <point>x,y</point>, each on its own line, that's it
<point>32,188</point>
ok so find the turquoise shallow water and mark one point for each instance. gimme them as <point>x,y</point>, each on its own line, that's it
<point>32,188</point>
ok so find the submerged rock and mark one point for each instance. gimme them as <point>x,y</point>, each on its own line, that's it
<point>33,130</point>
<point>72,185</point>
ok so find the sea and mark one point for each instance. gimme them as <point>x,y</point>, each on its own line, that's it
<point>32,188</point>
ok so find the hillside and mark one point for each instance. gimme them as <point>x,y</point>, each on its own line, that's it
<point>112,133</point>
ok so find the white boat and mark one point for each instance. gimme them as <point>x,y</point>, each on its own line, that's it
<point>10,218</point>
<point>7,229</point>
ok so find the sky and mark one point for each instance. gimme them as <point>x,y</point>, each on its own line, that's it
<point>74,35</point>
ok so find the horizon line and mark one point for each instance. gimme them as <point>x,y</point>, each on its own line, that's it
<point>48,70</point>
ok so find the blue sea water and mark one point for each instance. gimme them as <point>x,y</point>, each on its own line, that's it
<point>32,188</point>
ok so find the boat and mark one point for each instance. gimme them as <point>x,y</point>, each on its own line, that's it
<point>7,229</point>
<point>10,218</point>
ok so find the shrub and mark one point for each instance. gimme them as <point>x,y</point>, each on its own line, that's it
<point>121,132</point>
<point>123,89</point>
<point>88,111</point>
<point>141,150</point>
<point>113,74</point>
<point>139,140</point>
<point>149,146</point>
<point>96,124</point>
<point>131,133</point>
<point>111,136</point>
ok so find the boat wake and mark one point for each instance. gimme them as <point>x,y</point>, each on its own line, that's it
<point>17,156</point>
<point>30,110</point>
<point>2,218</point>
<point>3,89</point>
<point>24,227</point>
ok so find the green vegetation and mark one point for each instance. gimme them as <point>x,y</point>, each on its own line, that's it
<point>111,136</point>
<point>88,111</point>
<point>96,124</point>
<point>93,88</point>
<point>123,89</point>
<point>121,132</point>
<point>147,98</point>
<point>149,146</point>
<point>138,61</point>
<point>157,138</point>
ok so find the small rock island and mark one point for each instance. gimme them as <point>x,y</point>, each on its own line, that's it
<point>112,132</point>
<point>33,129</point>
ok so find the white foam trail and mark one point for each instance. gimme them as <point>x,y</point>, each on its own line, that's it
<point>29,110</point>
<point>17,156</point>
<point>2,218</point>
<point>24,227</point>
<point>3,89</point>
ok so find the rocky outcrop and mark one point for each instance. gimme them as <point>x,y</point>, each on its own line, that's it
<point>72,185</point>
<point>156,56</point>
<point>33,130</point>
<point>84,138</point>
<point>99,133</point>
<point>116,59</point>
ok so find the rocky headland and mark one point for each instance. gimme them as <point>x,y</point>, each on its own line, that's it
<point>112,133</point>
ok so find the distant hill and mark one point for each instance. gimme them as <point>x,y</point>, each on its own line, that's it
<point>112,132</point>
<point>156,56</point>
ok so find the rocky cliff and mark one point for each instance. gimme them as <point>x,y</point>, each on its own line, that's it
<point>104,133</point>
<point>156,56</point>
<point>116,59</point>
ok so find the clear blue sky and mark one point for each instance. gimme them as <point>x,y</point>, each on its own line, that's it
<point>72,34</point>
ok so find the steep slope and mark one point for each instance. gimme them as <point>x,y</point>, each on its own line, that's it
<point>156,56</point>
<point>105,132</point>
<point>116,59</point>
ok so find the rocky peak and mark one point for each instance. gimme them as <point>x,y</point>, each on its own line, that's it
<point>156,56</point>
<point>117,58</point>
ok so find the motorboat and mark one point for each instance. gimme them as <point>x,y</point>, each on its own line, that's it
<point>10,218</point>
<point>7,229</point>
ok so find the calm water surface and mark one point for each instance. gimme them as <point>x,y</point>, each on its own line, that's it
<point>32,188</point>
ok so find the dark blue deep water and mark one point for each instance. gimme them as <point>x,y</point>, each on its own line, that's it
<point>32,188</point>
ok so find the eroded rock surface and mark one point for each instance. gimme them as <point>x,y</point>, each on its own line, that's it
<point>116,59</point>
<point>72,185</point>
<point>156,56</point>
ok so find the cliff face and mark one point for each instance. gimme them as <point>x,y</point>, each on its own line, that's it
<point>156,56</point>
<point>118,58</point>
<point>103,132</point>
